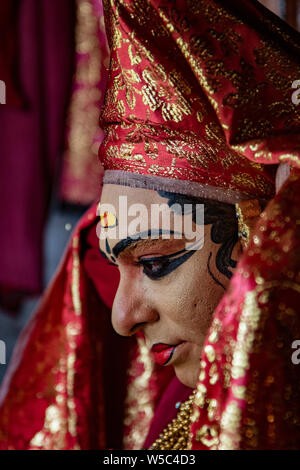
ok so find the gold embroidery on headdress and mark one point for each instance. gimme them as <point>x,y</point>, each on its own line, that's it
<point>247,213</point>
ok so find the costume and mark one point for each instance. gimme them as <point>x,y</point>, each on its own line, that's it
<point>79,182</point>
<point>207,114</point>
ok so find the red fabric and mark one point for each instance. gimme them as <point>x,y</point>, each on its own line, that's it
<point>253,401</point>
<point>166,409</point>
<point>204,94</point>
<point>43,35</point>
<point>8,51</point>
<point>106,286</point>
<point>65,368</point>
<point>80,169</point>
<point>195,93</point>
<point>66,384</point>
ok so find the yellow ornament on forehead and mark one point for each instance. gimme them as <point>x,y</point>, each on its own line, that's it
<point>108,220</point>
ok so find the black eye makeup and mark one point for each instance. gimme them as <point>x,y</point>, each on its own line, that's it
<point>155,267</point>
<point>158,267</point>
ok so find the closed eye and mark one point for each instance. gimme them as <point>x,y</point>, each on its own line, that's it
<point>160,266</point>
<point>155,268</point>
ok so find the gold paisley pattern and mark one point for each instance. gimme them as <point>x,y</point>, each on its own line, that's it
<point>171,98</point>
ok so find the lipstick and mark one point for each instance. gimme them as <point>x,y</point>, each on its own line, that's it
<point>163,353</point>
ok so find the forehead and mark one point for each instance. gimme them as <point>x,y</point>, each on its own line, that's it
<point>120,206</point>
<point>112,192</point>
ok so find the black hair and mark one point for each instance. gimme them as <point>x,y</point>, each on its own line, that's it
<point>224,230</point>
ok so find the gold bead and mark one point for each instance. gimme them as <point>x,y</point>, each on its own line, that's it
<point>176,434</point>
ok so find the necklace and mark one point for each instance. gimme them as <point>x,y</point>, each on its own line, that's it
<point>175,436</point>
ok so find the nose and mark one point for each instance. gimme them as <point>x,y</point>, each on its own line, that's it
<point>131,310</point>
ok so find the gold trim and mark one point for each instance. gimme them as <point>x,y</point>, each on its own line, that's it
<point>247,213</point>
<point>139,408</point>
<point>75,285</point>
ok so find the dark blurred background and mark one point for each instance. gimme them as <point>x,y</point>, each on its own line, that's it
<point>53,60</point>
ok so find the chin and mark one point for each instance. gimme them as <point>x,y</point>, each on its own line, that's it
<point>188,375</point>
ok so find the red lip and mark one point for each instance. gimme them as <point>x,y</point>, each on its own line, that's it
<point>163,353</point>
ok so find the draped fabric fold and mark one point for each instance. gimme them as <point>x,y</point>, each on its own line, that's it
<point>249,387</point>
<point>72,380</point>
<point>47,400</point>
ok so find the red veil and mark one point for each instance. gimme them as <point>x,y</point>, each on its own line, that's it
<point>73,383</point>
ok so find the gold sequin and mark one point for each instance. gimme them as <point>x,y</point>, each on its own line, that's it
<point>176,435</point>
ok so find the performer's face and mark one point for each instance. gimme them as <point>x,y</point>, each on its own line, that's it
<point>166,292</point>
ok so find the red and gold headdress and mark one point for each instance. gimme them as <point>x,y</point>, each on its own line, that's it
<point>198,101</point>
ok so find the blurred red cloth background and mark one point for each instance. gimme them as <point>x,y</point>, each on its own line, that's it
<point>36,43</point>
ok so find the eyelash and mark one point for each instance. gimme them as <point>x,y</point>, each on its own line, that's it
<point>167,264</point>
<point>147,264</point>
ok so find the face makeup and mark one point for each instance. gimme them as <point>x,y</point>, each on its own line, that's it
<point>166,292</point>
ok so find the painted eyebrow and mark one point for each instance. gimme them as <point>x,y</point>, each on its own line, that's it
<point>137,245</point>
<point>140,239</point>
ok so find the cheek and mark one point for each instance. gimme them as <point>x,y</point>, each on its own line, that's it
<point>191,283</point>
<point>175,295</point>
<point>187,298</point>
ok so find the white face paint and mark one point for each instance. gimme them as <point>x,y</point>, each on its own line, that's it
<point>166,291</point>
